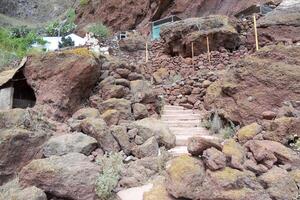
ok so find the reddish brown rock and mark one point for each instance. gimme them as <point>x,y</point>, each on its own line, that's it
<point>214,159</point>
<point>196,145</point>
<point>244,91</point>
<point>63,80</point>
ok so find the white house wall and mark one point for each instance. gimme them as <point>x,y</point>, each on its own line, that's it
<point>6,98</point>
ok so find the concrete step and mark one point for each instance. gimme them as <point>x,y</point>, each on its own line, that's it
<point>175,112</point>
<point>179,150</point>
<point>189,130</point>
<point>169,107</point>
<point>136,193</point>
<point>183,117</point>
<point>184,123</point>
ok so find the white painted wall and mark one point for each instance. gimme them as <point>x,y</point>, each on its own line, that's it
<point>6,98</point>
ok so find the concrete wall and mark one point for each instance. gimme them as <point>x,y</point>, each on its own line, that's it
<point>6,98</point>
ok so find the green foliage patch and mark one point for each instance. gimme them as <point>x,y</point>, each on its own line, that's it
<point>99,30</point>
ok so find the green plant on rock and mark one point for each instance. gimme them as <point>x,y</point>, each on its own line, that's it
<point>66,42</point>
<point>63,28</point>
<point>99,30</point>
<point>84,2</point>
<point>107,180</point>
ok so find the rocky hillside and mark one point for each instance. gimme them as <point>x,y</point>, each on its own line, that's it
<point>128,15</point>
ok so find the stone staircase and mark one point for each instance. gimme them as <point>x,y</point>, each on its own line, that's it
<point>184,124</point>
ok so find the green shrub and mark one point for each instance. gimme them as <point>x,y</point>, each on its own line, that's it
<point>99,30</point>
<point>18,45</point>
<point>107,180</point>
<point>66,42</point>
<point>84,2</point>
<point>64,28</point>
<point>19,32</point>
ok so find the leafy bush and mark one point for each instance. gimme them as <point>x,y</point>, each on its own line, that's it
<point>99,30</point>
<point>84,2</point>
<point>107,180</point>
<point>18,45</point>
<point>64,28</point>
<point>66,42</point>
<point>19,32</point>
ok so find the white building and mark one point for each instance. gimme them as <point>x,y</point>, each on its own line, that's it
<point>53,42</point>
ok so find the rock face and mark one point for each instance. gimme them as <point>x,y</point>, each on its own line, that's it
<point>70,176</point>
<point>63,80</point>
<point>283,24</point>
<point>69,143</point>
<point>179,36</point>
<point>18,148</point>
<point>126,15</point>
<point>243,93</point>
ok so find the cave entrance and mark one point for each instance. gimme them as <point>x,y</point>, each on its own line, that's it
<point>23,94</point>
<point>15,91</point>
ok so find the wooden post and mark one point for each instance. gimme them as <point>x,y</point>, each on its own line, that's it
<point>192,53</point>
<point>208,50</point>
<point>255,32</point>
<point>147,56</point>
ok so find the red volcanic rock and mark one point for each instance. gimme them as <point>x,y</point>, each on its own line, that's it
<point>62,81</point>
<point>258,83</point>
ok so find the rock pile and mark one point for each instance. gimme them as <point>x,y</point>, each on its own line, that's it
<point>235,172</point>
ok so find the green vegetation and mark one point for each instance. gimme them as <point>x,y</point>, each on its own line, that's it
<point>16,43</point>
<point>107,180</point>
<point>66,42</point>
<point>84,2</point>
<point>64,28</point>
<point>99,30</point>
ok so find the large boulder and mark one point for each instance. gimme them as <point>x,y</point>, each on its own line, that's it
<point>13,191</point>
<point>185,176</point>
<point>121,105</point>
<point>235,153</point>
<point>98,129</point>
<point>154,127</point>
<point>197,145</point>
<point>62,80</point>
<point>268,153</point>
<point>282,24</point>
<point>231,184</point>
<point>279,184</point>
<point>245,90</point>
<point>71,176</point>
<point>147,149</point>
<point>179,36</point>
<point>69,143</point>
<point>18,147</point>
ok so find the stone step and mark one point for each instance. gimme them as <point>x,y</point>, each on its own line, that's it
<point>175,112</point>
<point>179,150</point>
<point>184,123</point>
<point>136,193</point>
<point>189,130</point>
<point>183,117</point>
<point>169,107</point>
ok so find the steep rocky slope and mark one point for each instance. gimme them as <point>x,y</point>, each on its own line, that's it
<point>258,83</point>
<point>127,15</point>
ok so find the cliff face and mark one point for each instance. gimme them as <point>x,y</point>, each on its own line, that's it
<point>128,14</point>
<point>35,11</point>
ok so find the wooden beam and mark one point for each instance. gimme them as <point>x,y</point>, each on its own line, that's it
<point>208,49</point>
<point>147,56</point>
<point>255,32</point>
<point>193,53</point>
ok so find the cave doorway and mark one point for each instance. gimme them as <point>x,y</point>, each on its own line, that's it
<point>23,94</point>
<point>15,92</point>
